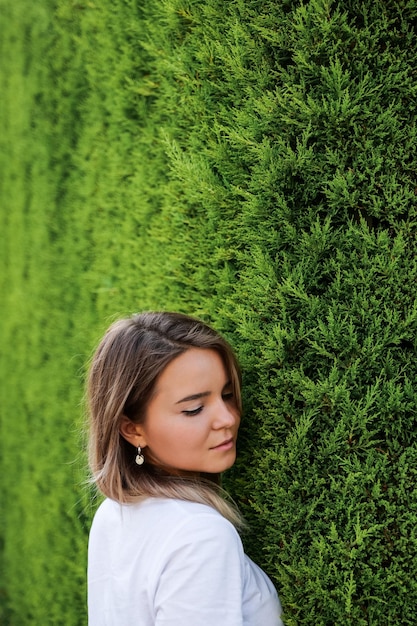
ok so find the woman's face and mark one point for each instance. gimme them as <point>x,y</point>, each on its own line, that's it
<point>191,422</point>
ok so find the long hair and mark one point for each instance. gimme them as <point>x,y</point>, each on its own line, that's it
<point>122,377</point>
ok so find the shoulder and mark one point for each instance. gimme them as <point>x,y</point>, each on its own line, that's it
<point>167,528</point>
<point>199,532</point>
<point>188,520</point>
<point>195,513</point>
<point>167,516</point>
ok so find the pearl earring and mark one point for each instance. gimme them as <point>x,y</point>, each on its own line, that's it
<point>140,459</point>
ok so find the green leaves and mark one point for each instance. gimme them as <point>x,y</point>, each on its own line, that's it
<point>252,163</point>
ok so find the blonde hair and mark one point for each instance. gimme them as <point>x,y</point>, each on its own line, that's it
<point>123,372</point>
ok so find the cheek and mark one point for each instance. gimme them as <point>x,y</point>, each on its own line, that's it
<point>180,434</point>
<point>189,434</point>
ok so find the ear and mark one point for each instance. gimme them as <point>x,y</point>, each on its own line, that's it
<point>133,433</point>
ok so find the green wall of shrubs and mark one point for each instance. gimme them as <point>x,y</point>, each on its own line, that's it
<point>252,163</point>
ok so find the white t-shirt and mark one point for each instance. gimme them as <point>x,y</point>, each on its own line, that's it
<point>165,562</point>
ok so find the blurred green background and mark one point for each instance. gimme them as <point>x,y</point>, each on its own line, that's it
<point>254,164</point>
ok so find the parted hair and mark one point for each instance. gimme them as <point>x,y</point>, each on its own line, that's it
<point>123,372</point>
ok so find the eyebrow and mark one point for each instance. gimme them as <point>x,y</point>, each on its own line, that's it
<point>195,396</point>
<point>203,394</point>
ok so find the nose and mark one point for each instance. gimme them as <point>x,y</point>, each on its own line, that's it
<point>225,415</point>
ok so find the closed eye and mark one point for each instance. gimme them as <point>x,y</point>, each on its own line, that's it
<point>193,411</point>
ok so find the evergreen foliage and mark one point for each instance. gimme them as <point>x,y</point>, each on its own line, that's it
<point>252,163</point>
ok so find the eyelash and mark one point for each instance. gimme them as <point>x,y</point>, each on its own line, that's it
<point>226,397</point>
<point>193,411</point>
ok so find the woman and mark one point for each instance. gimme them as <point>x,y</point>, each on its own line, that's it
<point>164,400</point>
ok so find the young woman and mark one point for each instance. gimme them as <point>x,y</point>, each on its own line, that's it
<point>164,400</point>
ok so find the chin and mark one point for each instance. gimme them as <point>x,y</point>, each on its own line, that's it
<point>226,466</point>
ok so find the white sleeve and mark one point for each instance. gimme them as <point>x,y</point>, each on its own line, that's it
<point>202,580</point>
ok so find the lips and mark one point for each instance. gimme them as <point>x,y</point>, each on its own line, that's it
<point>226,443</point>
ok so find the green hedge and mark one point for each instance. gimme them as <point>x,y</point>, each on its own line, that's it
<point>253,163</point>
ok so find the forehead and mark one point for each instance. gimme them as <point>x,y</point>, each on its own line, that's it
<point>197,369</point>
